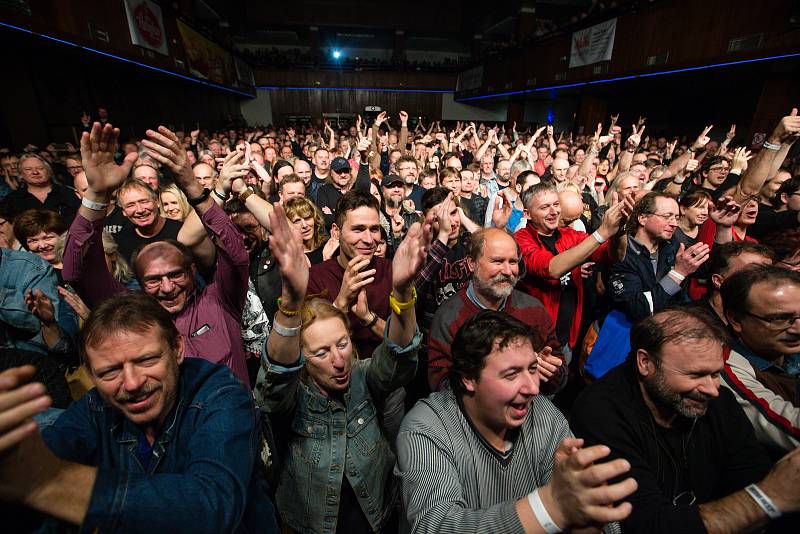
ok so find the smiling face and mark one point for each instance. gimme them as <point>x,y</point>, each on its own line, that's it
<point>769,300</point>
<point>661,224</point>
<point>360,232</point>
<point>697,214</point>
<point>43,245</point>
<point>686,378</point>
<point>139,206</point>
<point>543,211</point>
<point>164,276</point>
<point>496,271</point>
<point>137,374</point>
<point>148,175</point>
<point>34,172</point>
<point>171,206</point>
<point>501,397</point>
<point>329,354</point>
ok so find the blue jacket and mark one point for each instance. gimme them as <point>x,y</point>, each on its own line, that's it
<point>329,439</point>
<point>637,289</point>
<point>19,272</point>
<point>204,473</point>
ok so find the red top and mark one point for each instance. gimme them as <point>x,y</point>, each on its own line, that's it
<point>538,282</point>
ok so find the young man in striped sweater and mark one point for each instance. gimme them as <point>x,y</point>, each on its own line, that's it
<point>488,454</point>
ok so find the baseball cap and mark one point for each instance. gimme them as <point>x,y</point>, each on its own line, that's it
<point>389,179</point>
<point>340,164</point>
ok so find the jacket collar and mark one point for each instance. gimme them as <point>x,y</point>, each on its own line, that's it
<point>762,364</point>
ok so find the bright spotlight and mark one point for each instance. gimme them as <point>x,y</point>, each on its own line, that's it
<point>337,54</point>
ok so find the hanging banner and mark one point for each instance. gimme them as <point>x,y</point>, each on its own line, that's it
<point>146,25</point>
<point>592,45</point>
<point>206,59</point>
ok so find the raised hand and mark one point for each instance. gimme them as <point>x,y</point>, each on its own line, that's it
<point>233,168</point>
<point>538,132</point>
<point>671,148</point>
<point>363,146</point>
<point>356,277</point>
<point>691,164</point>
<point>731,133</point>
<point>19,402</point>
<point>788,129</point>
<point>410,257</point>
<point>614,120</point>
<point>165,147</point>
<point>403,118</point>
<point>442,217</point>
<point>724,211</point>
<point>75,302</point>
<point>549,131</point>
<point>97,156</point>
<point>616,215</point>
<point>636,136</point>
<point>548,364</point>
<point>287,249</point>
<point>702,139</point>
<point>40,306</point>
<point>740,158</point>
<point>688,260</point>
<point>641,121</point>
<point>501,212</point>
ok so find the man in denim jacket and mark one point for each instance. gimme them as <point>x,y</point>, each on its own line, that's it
<point>163,444</point>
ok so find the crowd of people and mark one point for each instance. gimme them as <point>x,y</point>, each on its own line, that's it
<point>374,328</point>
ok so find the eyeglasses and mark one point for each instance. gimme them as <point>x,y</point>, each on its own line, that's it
<point>152,282</point>
<point>666,217</point>
<point>780,322</point>
<point>343,171</point>
<point>720,169</point>
<point>406,168</point>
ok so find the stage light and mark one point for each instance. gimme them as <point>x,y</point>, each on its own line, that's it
<point>337,54</point>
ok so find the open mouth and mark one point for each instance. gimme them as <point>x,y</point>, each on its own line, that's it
<point>519,409</point>
<point>138,405</point>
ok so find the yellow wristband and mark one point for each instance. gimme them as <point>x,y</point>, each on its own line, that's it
<point>398,306</point>
<point>286,311</point>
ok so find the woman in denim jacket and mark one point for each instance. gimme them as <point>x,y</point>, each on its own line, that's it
<point>336,473</point>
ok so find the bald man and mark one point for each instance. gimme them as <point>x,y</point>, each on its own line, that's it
<point>571,210</point>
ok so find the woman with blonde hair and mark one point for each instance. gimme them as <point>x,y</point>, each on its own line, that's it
<point>174,204</point>
<point>306,219</point>
<point>325,402</point>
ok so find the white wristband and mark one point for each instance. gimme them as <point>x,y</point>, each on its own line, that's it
<point>600,239</point>
<point>771,146</point>
<point>763,501</point>
<point>94,206</point>
<point>677,275</point>
<point>541,514</point>
<point>285,331</point>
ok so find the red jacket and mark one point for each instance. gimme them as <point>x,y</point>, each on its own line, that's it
<point>538,282</point>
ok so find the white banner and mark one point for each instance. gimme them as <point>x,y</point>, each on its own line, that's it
<point>146,25</point>
<point>592,45</point>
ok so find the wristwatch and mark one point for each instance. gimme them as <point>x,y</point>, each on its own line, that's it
<point>199,200</point>
<point>243,195</point>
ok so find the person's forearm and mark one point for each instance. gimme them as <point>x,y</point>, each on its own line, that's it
<point>780,157</point>
<point>625,160</point>
<point>469,224</point>
<point>51,334</point>
<point>402,141</point>
<point>260,209</point>
<point>482,150</point>
<point>756,174</point>
<point>588,160</point>
<point>571,258</point>
<point>733,514</point>
<point>403,325</point>
<point>66,493</point>
<point>679,163</point>
<point>724,234</point>
<point>503,150</point>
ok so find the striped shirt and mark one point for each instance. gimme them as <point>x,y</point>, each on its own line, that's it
<point>452,483</point>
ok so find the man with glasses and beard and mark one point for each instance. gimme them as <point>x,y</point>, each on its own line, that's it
<point>696,460</point>
<point>493,259</point>
<point>762,369</point>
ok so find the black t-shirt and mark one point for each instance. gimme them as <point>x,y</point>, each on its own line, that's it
<point>568,303</point>
<point>115,222</point>
<point>475,207</point>
<point>61,200</point>
<point>128,240</point>
<point>327,197</point>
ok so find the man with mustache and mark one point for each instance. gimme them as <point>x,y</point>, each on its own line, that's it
<point>762,368</point>
<point>157,427</point>
<point>695,457</point>
<point>493,259</point>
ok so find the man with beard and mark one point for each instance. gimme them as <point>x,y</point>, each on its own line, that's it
<point>407,168</point>
<point>207,317</point>
<point>694,455</point>
<point>398,214</point>
<point>655,264</point>
<point>493,259</point>
<point>762,368</point>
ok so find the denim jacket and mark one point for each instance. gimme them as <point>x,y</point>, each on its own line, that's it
<point>327,439</point>
<point>204,473</point>
<point>19,272</point>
